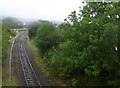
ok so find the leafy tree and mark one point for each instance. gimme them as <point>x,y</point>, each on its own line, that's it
<point>89,44</point>
<point>47,36</point>
<point>32,29</point>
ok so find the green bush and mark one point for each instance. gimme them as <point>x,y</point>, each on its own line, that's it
<point>46,37</point>
<point>5,43</point>
<point>32,29</point>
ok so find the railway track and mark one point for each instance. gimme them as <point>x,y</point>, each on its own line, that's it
<point>28,71</point>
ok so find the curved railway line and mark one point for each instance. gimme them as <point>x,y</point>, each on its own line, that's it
<point>29,74</point>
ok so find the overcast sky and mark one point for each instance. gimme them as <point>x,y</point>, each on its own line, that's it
<point>56,10</point>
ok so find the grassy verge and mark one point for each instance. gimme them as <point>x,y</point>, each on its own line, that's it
<point>6,81</point>
<point>5,73</point>
<point>38,59</point>
<point>5,68</point>
<point>0,53</point>
<point>41,64</point>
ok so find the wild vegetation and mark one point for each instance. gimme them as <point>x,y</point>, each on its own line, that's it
<point>84,48</point>
<point>7,25</point>
<point>5,38</point>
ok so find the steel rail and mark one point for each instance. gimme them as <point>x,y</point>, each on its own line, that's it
<point>31,66</point>
<point>25,63</point>
<point>10,60</point>
<point>22,65</point>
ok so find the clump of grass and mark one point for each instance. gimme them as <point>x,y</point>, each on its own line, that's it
<point>5,77</point>
<point>13,82</point>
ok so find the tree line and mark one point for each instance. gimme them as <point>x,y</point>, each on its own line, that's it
<point>84,48</point>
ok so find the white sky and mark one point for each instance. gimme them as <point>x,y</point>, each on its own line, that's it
<point>56,10</point>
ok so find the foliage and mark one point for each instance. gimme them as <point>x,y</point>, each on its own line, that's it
<point>11,23</point>
<point>32,29</point>
<point>5,37</point>
<point>74,82</point>
<point>7,24</point>
<point>89,44</point>
<point>47,36</point>
<point>0,39</point>
<point>86,43</point>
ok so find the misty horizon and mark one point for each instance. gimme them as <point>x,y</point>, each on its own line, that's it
<point>39,9</point>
